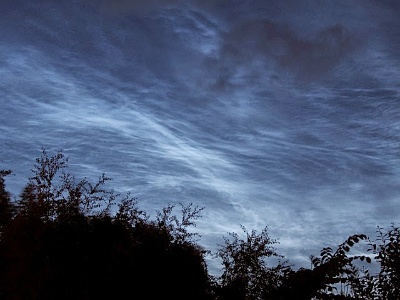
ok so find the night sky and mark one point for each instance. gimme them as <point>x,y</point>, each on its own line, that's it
<point>283,114</point>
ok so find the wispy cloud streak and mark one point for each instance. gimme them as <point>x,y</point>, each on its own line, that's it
<point>281,114</point>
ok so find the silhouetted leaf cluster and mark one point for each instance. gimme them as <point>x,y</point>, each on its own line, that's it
<point>69,239</point>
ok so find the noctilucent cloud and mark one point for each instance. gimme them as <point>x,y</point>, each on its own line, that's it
<point>283,114</point>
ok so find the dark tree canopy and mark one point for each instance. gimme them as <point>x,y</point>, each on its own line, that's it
<point>64,238</point>
<point>6,207</point>
<point>246,272</point>
<point>64,241</point>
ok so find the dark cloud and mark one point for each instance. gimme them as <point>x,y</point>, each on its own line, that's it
<point>144,7</point>
<point>277,46</point>
<point>135,6</point>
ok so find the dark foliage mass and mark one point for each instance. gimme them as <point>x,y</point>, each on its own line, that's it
<point>69,239</point>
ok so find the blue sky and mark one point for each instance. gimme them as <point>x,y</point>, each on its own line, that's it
<point>277,113</point>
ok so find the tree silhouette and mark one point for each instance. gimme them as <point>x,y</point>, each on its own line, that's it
<point>246,274</point>
<point>6,207</point>
<point>386,248</point>
<point>331,270</point>
<point>66,242</point>
<point>65,238</point>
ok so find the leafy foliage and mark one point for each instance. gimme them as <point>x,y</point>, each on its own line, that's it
<point>246,274</point>
<point>386,248</point>
<point>331,270</point>
<point>66,241</point>
<point>337,269</point>
<point>178,228</point>
<point>65,238</point>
